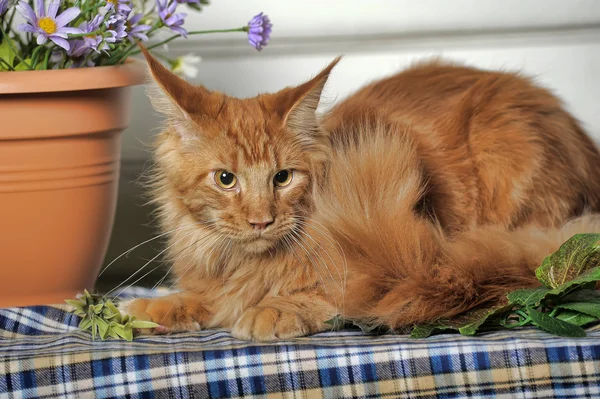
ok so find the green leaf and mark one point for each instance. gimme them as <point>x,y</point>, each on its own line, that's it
<point>111,306</point>
<point>425,330</point>
<point>591,275</point>
<point>119,330</point>
<point>583,295</point>
<point>94,327</point>
<point>76,304</point>
<point>22,66</point>
<point>466,324</point>
<point>534,297</point>
<point>579,254</point>
<point>143,324</point>
<point>112,333</point>
<point>7,54</point>
<point>102,328</point>
<point>337,322</point>
<point>128,334</point>
<point>579,319</point>
<point>473,320</point>
<point>528,297</point>
<point>555,326</point>
<point>591,309</point>
<point>85,323</point>
<point>98,308</point>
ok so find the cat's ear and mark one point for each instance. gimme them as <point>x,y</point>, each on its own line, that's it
<point>177,99</point>
<point>300,115</point>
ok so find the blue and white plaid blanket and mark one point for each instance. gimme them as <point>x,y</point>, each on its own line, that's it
<point>43,354</point>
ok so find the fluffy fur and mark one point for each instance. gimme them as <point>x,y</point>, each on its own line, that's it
<point>421,196</point>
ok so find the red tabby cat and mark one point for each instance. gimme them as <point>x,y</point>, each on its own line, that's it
<point>422,196</point>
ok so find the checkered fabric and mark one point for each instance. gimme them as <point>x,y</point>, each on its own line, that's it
<point>42,354</point>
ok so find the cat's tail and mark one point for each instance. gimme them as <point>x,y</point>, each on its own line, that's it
<point>405,269</point>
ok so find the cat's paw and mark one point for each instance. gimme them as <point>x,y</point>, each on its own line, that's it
<point>269,324</point>
<point>167,312</point>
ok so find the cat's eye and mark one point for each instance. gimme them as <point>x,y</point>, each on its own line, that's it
<point>283,178</point>
<point>225,179</point>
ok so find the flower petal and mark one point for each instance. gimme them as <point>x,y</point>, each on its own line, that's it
<point>41,39</point>
<point>53,9</point>
<point>39,5</point>
<point>27,28</point>
<point>179,30</point>
<point>61,42</point>
<point>141,36</point>
<point>67,29</point>
<point>27,12</point>
<point>67,16</point>
<point>136,18</point>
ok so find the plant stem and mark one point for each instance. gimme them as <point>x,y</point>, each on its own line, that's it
<point>13,48</point>
<point>198,32</point>
<point>35,55</point>
<point>10,68</point>
<point>47,58</point>
<point>78,35</point>
<point>86,59</point>
<point>10,20</point>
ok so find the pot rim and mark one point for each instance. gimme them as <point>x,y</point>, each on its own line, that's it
<point>131,73</point>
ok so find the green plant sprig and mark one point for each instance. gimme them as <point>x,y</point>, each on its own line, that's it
<point>565,303</point>
<point>103,319</point>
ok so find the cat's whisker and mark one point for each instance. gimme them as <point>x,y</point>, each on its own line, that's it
<point>181,254</point>
<point>341,287</point>
<point>190,266</point>
<point>333,263</point>
<point>323,230</point>
<point>297,239</point>
<point>140,244</point>
<point>290,246</point>
<point>146,264</point>
<point>319,258</point>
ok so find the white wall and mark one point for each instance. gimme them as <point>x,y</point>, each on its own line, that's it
<point>558,41</point>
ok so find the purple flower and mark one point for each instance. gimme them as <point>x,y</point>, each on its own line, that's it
<point>116,28</point>
<point>48,26</point>
<point>79,54</point>
<point>173,21</point>
<point>3,6</point>
<point>259,31</point>
<point>136,31</point>
<point>120,6</point>
<point>91,41</point>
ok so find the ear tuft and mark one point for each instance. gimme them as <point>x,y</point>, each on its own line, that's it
<point>171,95</point>
<point>301,115</point>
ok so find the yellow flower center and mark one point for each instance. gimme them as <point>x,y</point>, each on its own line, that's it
<point>47,24</point>
<point>113,2</point>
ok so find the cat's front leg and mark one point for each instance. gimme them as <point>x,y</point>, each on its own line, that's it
<point>184,311</point>
<point>284,317</point>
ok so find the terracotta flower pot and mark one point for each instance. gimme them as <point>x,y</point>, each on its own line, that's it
<point>59,168</point>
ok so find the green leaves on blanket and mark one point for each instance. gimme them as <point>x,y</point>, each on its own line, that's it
<point>566,302</point>
<point>103,318</point>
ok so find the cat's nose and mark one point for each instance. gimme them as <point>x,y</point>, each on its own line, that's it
<point>260,225</point>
